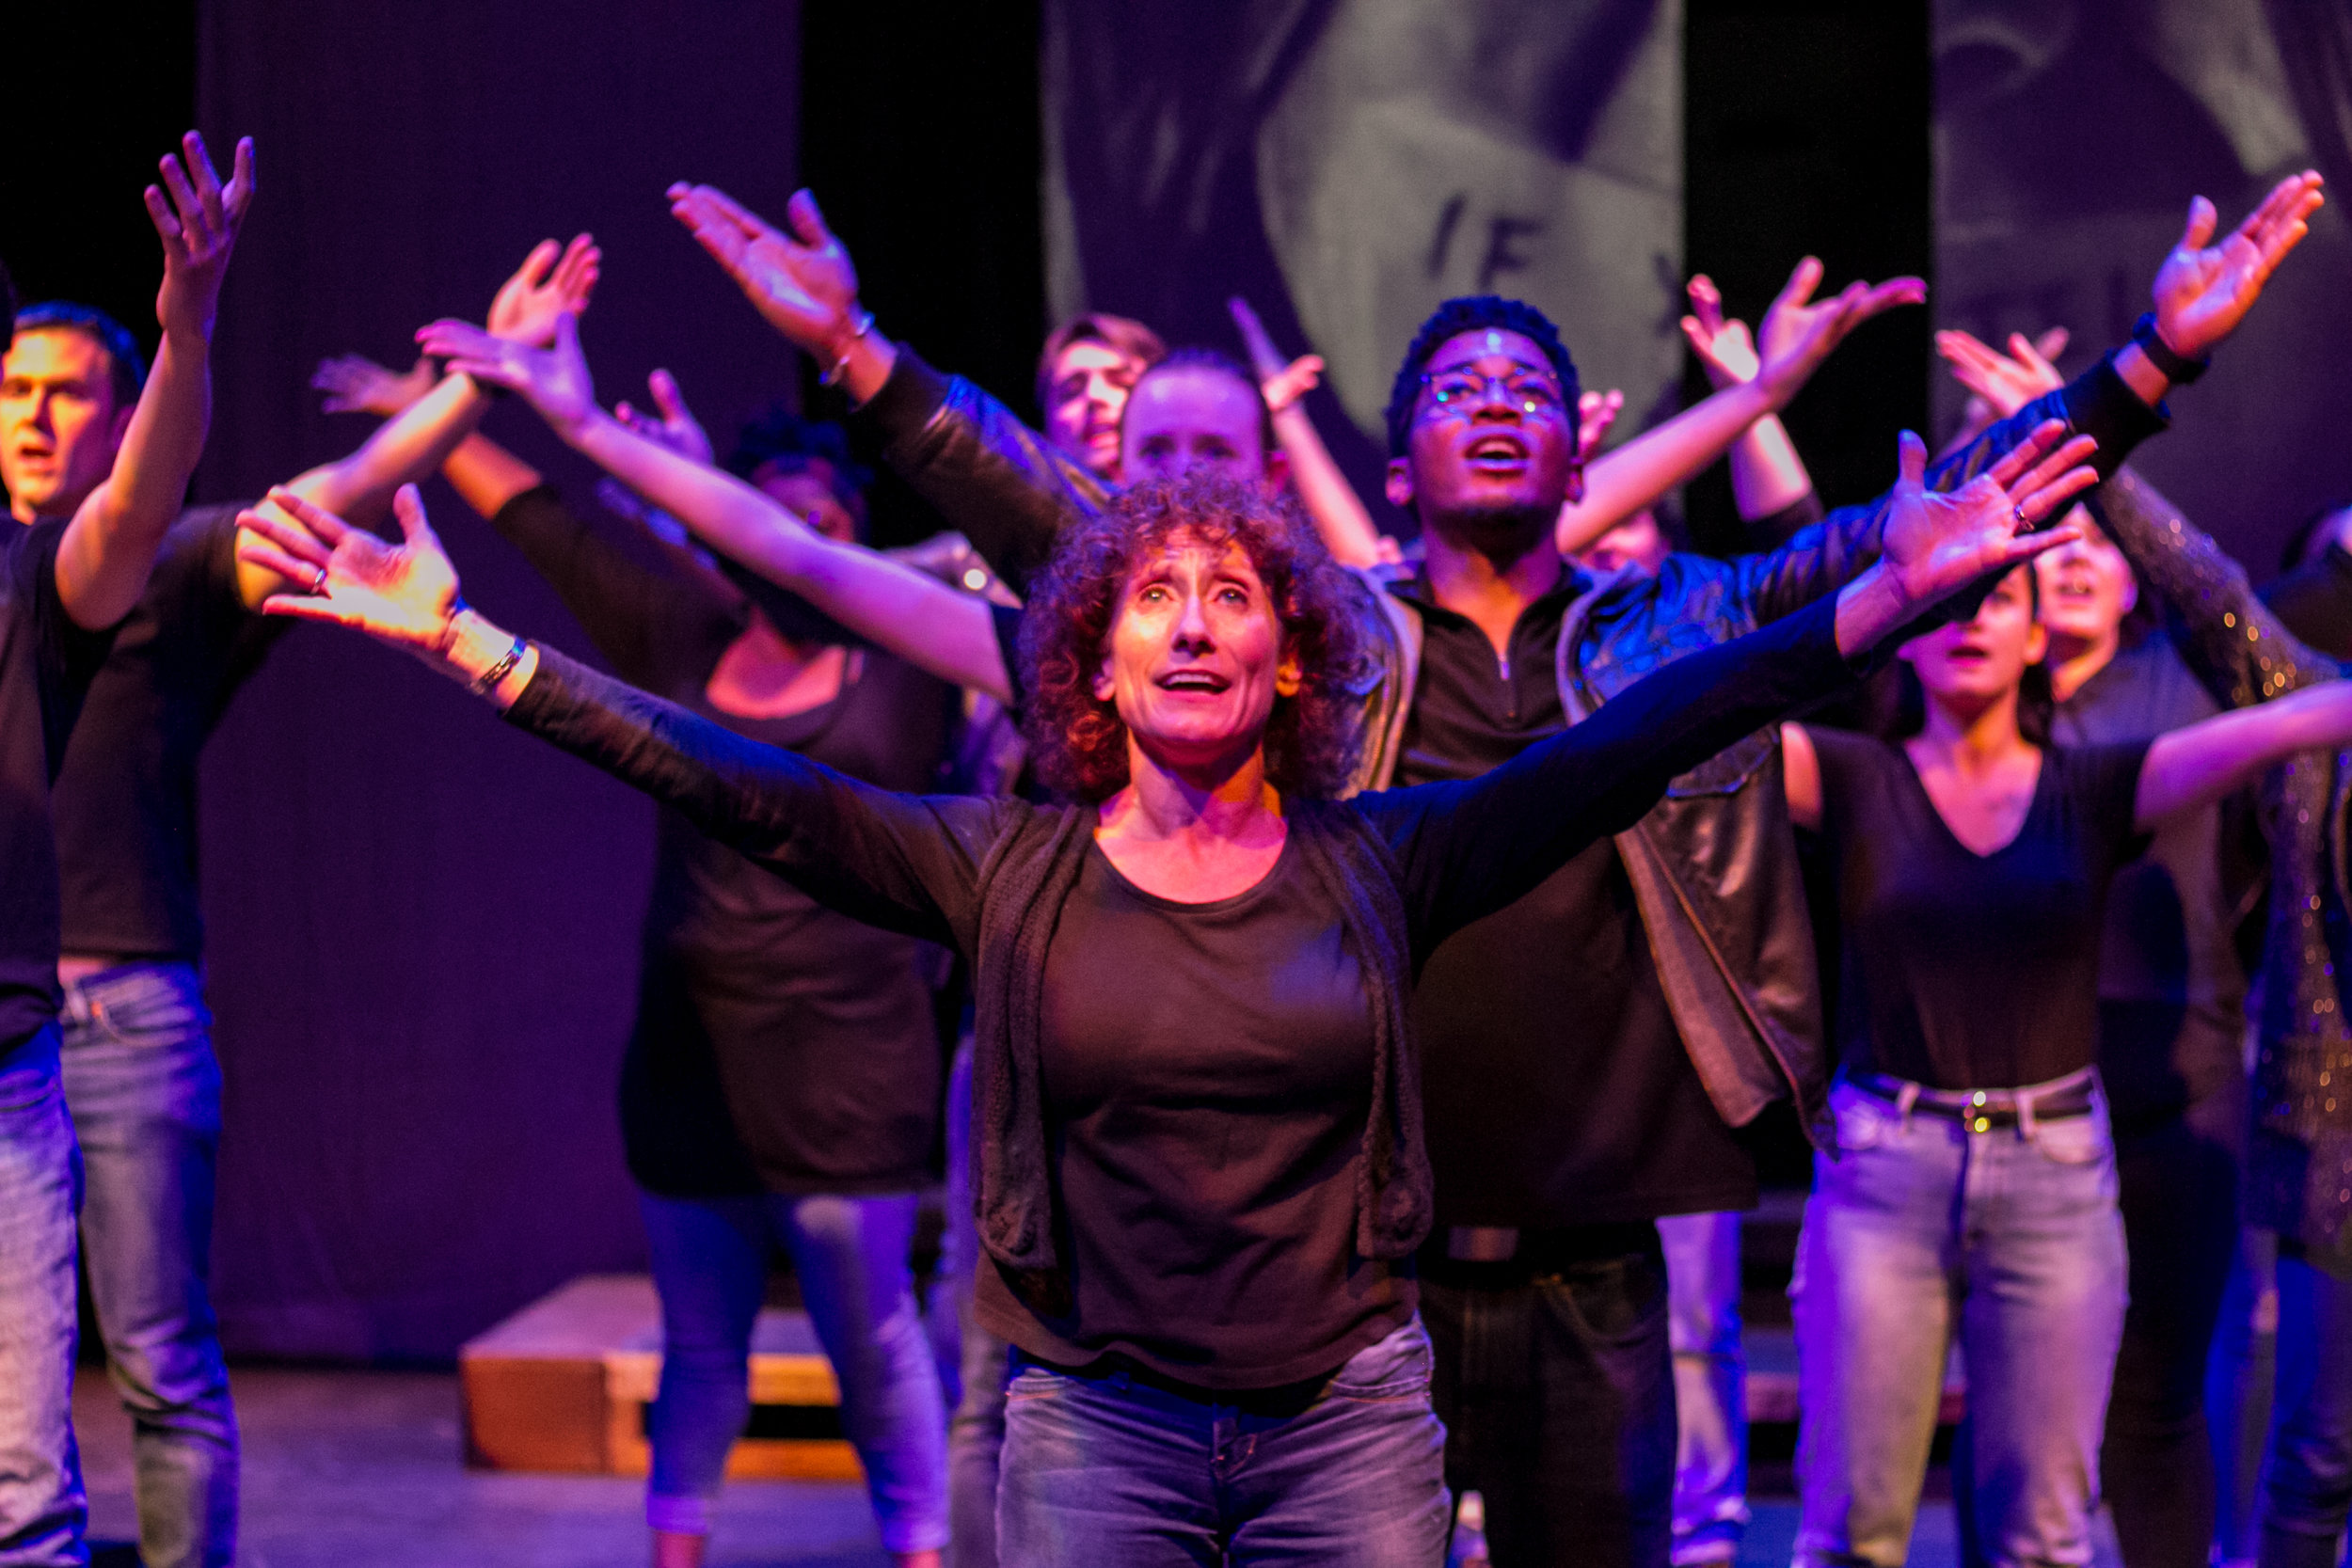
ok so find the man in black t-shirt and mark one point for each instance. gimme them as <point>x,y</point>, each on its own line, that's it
<point>138,1071</point>
<point>65,583</point>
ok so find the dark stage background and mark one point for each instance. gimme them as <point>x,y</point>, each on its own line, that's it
<point>423,926</point>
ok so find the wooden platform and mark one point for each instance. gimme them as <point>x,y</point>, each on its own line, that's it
<point>563,1386</point>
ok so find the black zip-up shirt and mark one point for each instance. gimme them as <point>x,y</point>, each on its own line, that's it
<point>1556,1089</point>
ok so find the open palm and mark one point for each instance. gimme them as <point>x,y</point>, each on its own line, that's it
<point>402,593</point>
<point>548,284</point>
<point>2202,290</point>
<point>800,279</point>
<point>1937,542</point>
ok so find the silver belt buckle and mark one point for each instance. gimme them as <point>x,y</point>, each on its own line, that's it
<point>1482,1244</point>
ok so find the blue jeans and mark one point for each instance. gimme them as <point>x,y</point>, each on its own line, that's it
<point>1710,1386</point>
<point>144,1091</point>
<point>1922,1232</point>
<point>43,1513</point>
<point>1102,1469</point>
<point>710,1265</point>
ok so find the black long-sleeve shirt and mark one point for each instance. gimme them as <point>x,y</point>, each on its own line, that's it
<point>1247,1316</point>
<point>777,1045</point>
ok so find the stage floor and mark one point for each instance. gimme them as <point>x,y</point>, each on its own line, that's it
<point>356,1469</point>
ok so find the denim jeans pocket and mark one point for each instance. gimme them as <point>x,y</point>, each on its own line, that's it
<point>2072,1140</point>
<point>158,1006</point>
<point>28,1073</point>
<point>1396,1367</point>
<point>1864,1120</point>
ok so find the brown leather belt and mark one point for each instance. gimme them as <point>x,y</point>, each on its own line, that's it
<point>1983,1110</point>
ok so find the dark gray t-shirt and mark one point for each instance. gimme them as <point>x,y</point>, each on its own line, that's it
<point>46,665</point>
<point>1963,971</point>
<point>126,802</point>
<point>1207,1071</point>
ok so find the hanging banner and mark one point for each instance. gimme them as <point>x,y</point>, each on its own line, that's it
<point>1345,165</point>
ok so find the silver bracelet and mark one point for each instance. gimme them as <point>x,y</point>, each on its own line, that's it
<point>487,682</point>
<point>841,365</point>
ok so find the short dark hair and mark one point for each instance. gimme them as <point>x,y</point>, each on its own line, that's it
<point>124,361</point>
<point>778,435</point>
<point>1473,313</point>
<point>1079,741</point>
<point>1223,364</point>
<point>1123,334</point>
<point>2299,542</point>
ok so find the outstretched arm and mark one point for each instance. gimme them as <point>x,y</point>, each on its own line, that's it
<point>1338,512</point>
<point>423,433</point>
<point>110,547</point>
<point>1767,475</point>
<point>1797,335</point>
<point>995,480</point>
<point>1473,847</point>
<point>2200,296</point>
<point>799,278</point>
<point>948,633</point>
<point>906,862</point>
<point>2197,766</point>
<point>2241,648</point>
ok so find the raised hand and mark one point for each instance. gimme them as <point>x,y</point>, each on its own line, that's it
<point>1727,351</point>
<point>673,425</point>
<point>198,224</point>
<point>2002,383</point>
<point>401,594</point>
<point>1292,382</point>
<point>801,280</point>
<point>554,380</point>
<point>547,284</point>
<point>1937,542</point>
<point>1595,413</point>
<point>2202,290</point>
<point>355,384</point>
<point>1798,333</point>
<point>1283,382</point>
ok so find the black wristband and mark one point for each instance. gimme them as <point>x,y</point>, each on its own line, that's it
<point>2179,372</point>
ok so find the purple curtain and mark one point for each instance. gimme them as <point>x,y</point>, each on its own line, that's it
<point>423,926</point>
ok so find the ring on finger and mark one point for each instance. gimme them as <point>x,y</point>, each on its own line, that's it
<point>318,584</point>
<point>2017,511</point>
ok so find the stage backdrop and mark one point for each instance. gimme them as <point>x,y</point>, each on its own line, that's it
<point>1348,164</point>
<point>423,926</point>
<point>2069,136</point>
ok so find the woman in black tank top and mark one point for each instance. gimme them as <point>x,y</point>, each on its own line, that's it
<point>1974,1195</point>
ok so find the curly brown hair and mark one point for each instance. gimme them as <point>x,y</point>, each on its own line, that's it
<point>1078,742</point>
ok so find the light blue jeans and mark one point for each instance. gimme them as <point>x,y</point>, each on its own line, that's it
<point>1106,1469</point>
<point>144,1091</point>
<point>710,1266</point>
<point>1922,1233</point>
<point>43,1513</point>
<point>1710,1386</point>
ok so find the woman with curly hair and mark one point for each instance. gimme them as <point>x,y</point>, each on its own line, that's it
<point>1198,1168</point>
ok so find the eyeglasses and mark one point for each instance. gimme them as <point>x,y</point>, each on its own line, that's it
<point>1523,387</point>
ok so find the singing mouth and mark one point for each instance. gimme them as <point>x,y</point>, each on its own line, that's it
<point>1497,449</point>
<point>1200,681</point>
